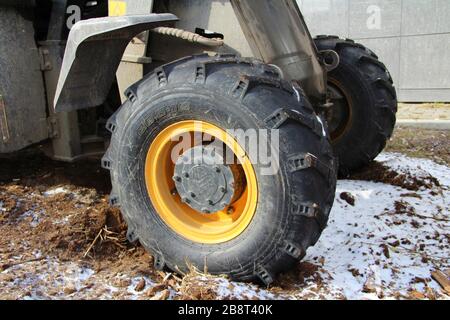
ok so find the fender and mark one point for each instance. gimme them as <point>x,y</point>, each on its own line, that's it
<point>93,53</point>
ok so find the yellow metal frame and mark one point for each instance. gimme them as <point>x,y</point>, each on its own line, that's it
<point>213,228</point>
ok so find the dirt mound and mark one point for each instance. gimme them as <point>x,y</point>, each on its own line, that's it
<point>63,224</point>
<point>378,172</point>
<point>100,227</point>
<point>60,209</point>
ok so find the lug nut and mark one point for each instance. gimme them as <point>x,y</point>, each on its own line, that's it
<point>206,211</point>
<point>223,189</point>
<point>177,179</point>
<point>193,195</point>
<point>217,169</point>
<point>186,175</point>
<point>210,202</point>
<point>186,200</point>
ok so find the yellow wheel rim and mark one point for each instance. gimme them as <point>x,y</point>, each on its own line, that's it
<point>213,228</point>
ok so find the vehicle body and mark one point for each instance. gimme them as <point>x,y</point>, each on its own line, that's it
<point>50,26</point>
<point>72,91</point>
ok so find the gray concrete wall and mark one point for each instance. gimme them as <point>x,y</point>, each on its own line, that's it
<point>411,36</point>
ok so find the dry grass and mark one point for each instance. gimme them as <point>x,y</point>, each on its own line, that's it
<point>420,143</point>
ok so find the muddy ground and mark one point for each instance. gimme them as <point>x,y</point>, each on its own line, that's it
<point>429,144</point>
<point>59,239</point>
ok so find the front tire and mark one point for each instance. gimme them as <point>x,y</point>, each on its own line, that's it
<point>365,104</point>
<point>288,209</point>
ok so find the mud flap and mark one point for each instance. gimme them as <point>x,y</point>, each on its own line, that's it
<point>93,53</point>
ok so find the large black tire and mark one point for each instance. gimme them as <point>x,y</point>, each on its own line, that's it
<point>229,92</point>
<point>361,131</point>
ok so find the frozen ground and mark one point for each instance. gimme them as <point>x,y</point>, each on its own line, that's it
<point>383,242</point>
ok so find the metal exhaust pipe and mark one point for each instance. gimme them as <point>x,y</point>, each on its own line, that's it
<point>277,33</point>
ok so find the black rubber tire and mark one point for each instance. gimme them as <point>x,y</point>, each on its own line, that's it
<point>369,85</point>
<point>293,206</point>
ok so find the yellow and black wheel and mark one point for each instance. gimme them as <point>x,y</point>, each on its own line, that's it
<point>206,201</point>
<point>215,162</point>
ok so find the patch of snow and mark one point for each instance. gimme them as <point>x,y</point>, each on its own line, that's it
<point>36,278</point>
<point>63,220</point>
<point>227,289</point>
<point>35,217</point>
<point>78,274</point>
<point>55,191</point>
<point>353,245</point>
<point>324,132</point>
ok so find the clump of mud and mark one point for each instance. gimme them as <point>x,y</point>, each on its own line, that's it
<point>298,276</point>
<point>198,287</point>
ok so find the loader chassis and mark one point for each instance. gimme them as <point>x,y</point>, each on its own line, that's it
<point>38,30</point>
<point>49,22</point>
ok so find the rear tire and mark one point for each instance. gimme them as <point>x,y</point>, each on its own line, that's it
<point>231,93</point>
<point>363,117</point>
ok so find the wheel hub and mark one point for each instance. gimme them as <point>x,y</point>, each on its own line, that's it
<point>205,182</point>
<point>339,116</point>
